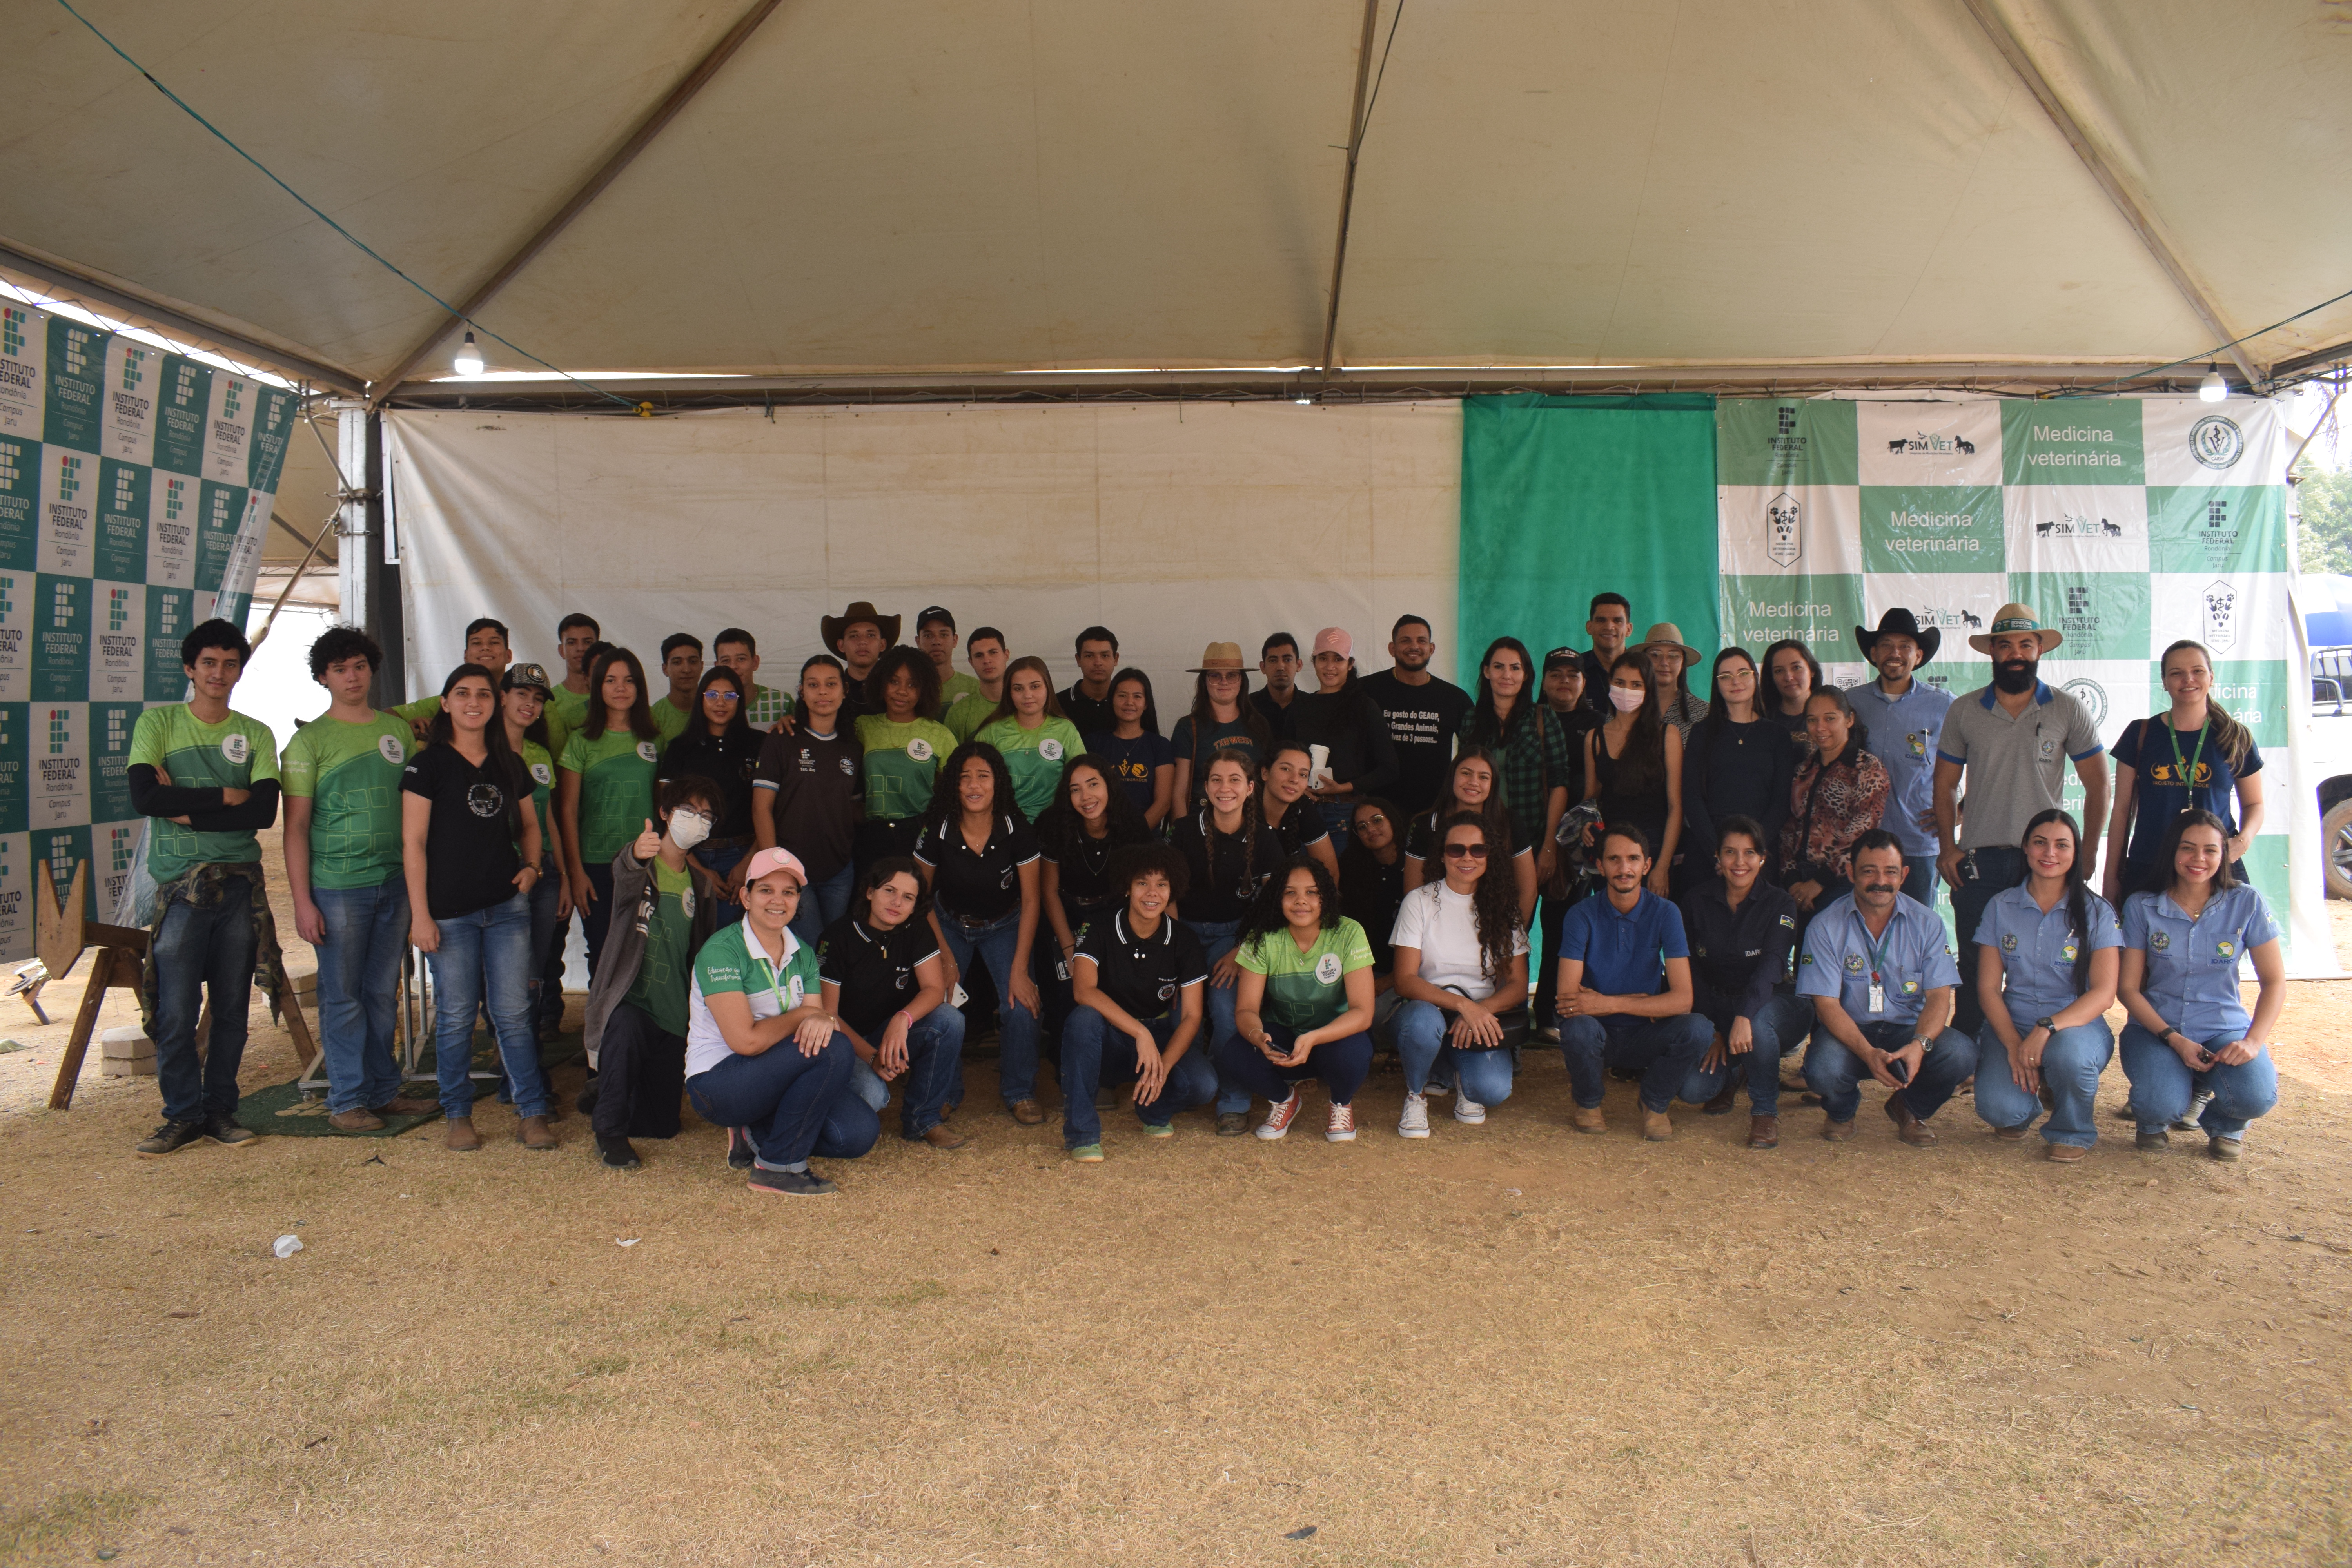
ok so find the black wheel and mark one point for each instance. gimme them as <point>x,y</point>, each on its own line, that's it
<point>2335,832</point>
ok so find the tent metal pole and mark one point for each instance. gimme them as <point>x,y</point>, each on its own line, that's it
<point>593,187</point>
<point>1348,185</point>
<point>355,556</point>
<point>2111,184</point>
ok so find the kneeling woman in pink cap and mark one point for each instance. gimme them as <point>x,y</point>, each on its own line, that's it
<point>762,1056</point>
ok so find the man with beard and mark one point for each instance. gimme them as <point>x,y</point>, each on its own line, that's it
<point>2012,740</point>
<point>1905,717</point>
<point>1423,713</point>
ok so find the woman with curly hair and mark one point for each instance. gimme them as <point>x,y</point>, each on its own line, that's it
<point>1837,795</point>
<point>1303,1007</point>
<point>1462,968</point>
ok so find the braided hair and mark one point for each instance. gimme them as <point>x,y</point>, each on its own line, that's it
<point>1253,818</point>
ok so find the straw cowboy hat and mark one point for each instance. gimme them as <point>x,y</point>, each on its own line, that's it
<point>1898,623</point>
<point>1665,634</point>
<point>2012,619</point>
<point>1219,658</point>
<point>859,610</point>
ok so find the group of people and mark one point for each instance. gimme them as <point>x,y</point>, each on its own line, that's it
<point>796,903</point>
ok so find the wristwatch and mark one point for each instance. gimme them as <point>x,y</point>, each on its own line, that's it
<point>2043,1024</point>
<point>1924,1043</point>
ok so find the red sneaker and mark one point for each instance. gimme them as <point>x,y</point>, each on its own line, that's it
<point>1277,1120</point>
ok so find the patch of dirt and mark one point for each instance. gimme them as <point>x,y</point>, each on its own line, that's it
<point>1508,1343</point>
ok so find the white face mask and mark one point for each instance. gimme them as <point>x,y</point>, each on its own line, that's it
<point>1625,701</point>
<point>688,828</point>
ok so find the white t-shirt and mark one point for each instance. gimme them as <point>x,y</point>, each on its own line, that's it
<point>1441,923</point>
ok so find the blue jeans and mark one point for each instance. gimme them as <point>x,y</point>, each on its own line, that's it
<point>783,1099</point>
<point>199,951</point>
<point>1780,1026</point>
<point>934,1068</point>
<point>1835,1073</point>
<point>1016,1061</point>
<point>1217,939</point>
<point>1342,1065</point>
<point>822,903</point>
<point>1339,821</point>
<point>2070,1064</point>
<point>1999,868</point>
<point>485,958</point>
<point>2162,1084</point>
<point>546,945</point>
<point>1421,1028</point>
<point>358,989</point>
<point>720,860</point>
<point>1664,1049</point>
<point>1093,1052</point>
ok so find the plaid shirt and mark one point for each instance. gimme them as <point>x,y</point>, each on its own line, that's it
<point>1535,763</point>
<point>768,705</point>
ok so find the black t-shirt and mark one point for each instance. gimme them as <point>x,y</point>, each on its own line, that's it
<point>1301,824</point>
<point>1135,762</point>
<point>727,761</point>
<point>1087,714</point>
<point>820,788</point>
<point>1215,894</point>
<point>1371,894</point>
<point>875,969</point>
<point>469,854</point>
<point>983,886</point>
<point>1423,721</point>
<point>1276,716</point>
<point>1083,865</point>
<point>1144,974</point>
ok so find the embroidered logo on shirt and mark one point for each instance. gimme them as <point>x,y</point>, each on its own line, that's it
<point>236,748</point>
<point>1919,742</point>
<point>485,799</point>
<point>2009,943</point>
<point>920,749</point>
<point>1327,969</point>
<point>389,749</point>
<point>2159,941</point>
<point>645,750</point>
<point>686,903</point>
<point>1910,988</point>
<point>1854,964</point>
<point>540,771</point>
<point>1789,922</point>
<point>2068,951</point>
<point>2226,949</point>
<point>1167,989</point>
<point>848,768</point>
<point>1050,749</point>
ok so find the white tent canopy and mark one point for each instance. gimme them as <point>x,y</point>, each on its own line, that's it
<point>981,187</point>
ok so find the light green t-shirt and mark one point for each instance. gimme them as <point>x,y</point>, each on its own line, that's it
<point>902,763</point>
<point>660,987</point>
<point>569,706</point>
<point>235,753</point>
<point>616,790</point>
<point>670,720</point>
<point>1306,990</point>
<point>420,712</point>
<point>351,776</point>
<point>966,715</point>
<point>955,688</point>
<point>541,762</point>
<point>1034,757</point>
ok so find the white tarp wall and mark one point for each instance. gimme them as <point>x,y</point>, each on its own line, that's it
<point>1171,525</point>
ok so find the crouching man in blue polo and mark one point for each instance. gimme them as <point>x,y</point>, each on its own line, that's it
<point>1882,984</point>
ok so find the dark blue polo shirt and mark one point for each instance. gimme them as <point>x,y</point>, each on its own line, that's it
<point>1624,953</point>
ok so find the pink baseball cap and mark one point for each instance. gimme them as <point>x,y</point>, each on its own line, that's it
<point>766,862</point>
<point>1335,639</point>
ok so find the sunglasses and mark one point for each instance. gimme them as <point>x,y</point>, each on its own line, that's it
<point>1465,852</point>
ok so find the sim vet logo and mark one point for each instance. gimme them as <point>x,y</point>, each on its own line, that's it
<point>117,608</point>
<point>12,332</point>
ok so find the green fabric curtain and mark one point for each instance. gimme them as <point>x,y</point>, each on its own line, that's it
<point>1563,498</point>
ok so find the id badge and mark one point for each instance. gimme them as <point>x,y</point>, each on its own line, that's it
<point>1878,997</point>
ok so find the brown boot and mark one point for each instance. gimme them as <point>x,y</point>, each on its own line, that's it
<point>1657,1125</point>
<point>1907,1126</point>
<point>1589,1120</point>
<point>1721,1104</point>
<point>355,1121</point>
<point>533,1133</point>
<point>1838,1132</point>
<point>1027,1112</point>
<point>405,1105</point>
<point>1763,1132</point>
<point>939,1137</point>
<point>462,1136</point>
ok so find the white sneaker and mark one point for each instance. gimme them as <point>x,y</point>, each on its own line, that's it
<point>1277,1120</point>
<point>1468,1109</point>
<point>1342,1129</point>
<point>1437,1090</point>
<point>1415,1123</point>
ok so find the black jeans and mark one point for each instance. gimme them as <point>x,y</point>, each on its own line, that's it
<point>1999,868</point>
<point>640,1073</point>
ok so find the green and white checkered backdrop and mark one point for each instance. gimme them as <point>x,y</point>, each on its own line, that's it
<point>134,494</point>
<point>2127,524</point>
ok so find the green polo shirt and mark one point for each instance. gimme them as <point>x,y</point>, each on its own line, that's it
<point>902,764</point>
<point>616,790</point>
<point>1034,757</point>
<point>235,753</point>
<point>351,776</point>
<point>1306,990</point>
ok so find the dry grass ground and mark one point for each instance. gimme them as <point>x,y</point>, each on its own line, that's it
<point>1506,1345</point>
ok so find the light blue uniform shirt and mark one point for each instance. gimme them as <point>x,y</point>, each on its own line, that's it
<point>2192,966</point>
<point>1837,960</point>
<point>1903,734</point>
<point>2037,951</point>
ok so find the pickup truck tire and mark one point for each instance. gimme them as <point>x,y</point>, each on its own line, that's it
<point>2336,833</point>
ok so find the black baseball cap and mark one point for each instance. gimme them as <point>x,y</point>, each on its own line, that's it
<point>936,613</point>
<point>1560,656</point>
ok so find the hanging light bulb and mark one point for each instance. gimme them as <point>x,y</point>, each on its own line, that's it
<point>1304,401</point>
<point>2213,389</point>
<point>469,358</point>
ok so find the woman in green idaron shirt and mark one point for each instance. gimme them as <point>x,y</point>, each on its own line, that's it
<point>1029,730</point>
<point>904,746</point>
<point>604,787</point>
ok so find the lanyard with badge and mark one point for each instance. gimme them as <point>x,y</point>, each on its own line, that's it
<point>2185,771</point>
<point>1877,962</point>
<point>761,965</point>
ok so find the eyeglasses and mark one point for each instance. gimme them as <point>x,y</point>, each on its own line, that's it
<point>716,695</point>
<point>1465,852</point>
<point>1373,819</point>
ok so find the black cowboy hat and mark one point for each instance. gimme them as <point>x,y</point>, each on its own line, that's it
<point>1905,622</point>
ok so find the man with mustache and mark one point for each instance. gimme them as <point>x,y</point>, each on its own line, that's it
<point>2013,741</point>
